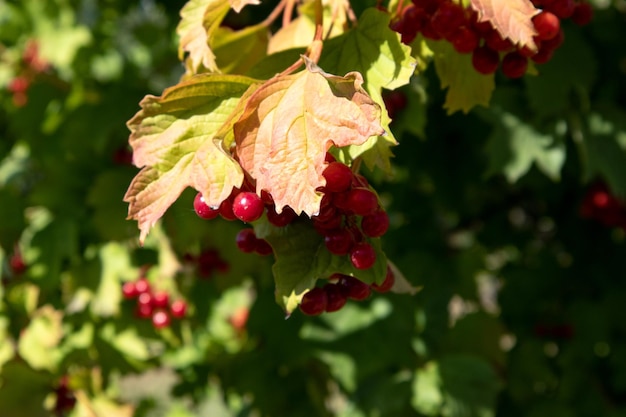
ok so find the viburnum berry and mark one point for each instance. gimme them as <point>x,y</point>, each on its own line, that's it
<point>144,311</point>
<point>142,285</point>
<point>263,248</point>
<point>160,319</point>
<point>514,65</point>
<point>354,288</point>
<point>362,255</point>
<point>129,290</point>
<point>375,224</point>
<point>246,240</point>
<point>338,177</point>
<point>160,299</point>
<point>283,219</point>
<point>226,210</point>
<point>17,264</point>
<point>485,60</point>
<point>339,241</point>
<point>547,25</point>
<point>314,302</point>
<point>386,285</point>
<point>583,13</point>
<point>248,206</point>
<point>361,201</point>
<point>336,297</point>
<point>448,17</point>
<point>178,309</point>
<point>203,210</point>
<point>464,40</point>
<point>563,9</point>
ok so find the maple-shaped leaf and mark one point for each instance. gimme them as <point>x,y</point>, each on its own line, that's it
<point>181,139</point>
<point>237,5</point>
<point>199,19</point>
<point>511,18</point>
<point>466,87</point>
<point>374,50</point>
<point>291,121</point>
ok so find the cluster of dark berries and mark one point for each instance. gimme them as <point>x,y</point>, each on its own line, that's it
<point>341,288</point>
<point>208,262</point>
<point>29,66</point>
<point>395,101</point>
<point>154,305</point>
<point>65,399</point>
<point>446,19</point>
<point>599,204</point>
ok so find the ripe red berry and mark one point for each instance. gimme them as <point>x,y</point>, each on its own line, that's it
<point>363,255</point>
<point>314,302</point>
<point>464,40</point>
<point>17,264</point>
<point>129,290</point>
<point>142,285</point>
<point>338,177</point>
<point>246,240</point>
<point>547,25</point>
<point>563,9</point>
<point>583,13</point>
<point>178,309</point>
<point>339,241</point>
<point>160,319</point>
<point>18,85</point>
<point>485,60</point>
<point>386,285</point>
<point>336,297</point>
<point>283,219</point>
<point>514,65</point>
<point>448,17</point>
<point>376,224</point>
<point>495,41</point>
<point>361,201</point>
<point>160,299</point>
<point>144,311</point>
<point>226,209</point>
<point>248,206</point>
<point>203,210</point>
<point>263,248</point>
<point>354,288</point>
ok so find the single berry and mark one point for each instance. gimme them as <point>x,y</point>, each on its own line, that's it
<point>583,13</point>
<point>145,299</point>
<point>160,299</point>
<point>336,297</point>
<point>363,255</point>
<point>514,65</point>
<point>129,290</point>
<point>485,60</point>
<point>248,206</point>
<point>142,285</point>
<point>178,309</point>
<point>203,210</point>
<point>339,241</point>
<point>547,25</point>
<point>464,40</point>
<point>496,42</point>
<point>160,319</point>
<point>226,210</point>
<point>563,9</point>
<point>283,219</point>
<point>448,17</point>
<point>314,302</point>
<point>386,285</point>
<point>17,264</point>
<point>263,248</point>
<point>361,201</point>
<point>144,311</point>
<point>246,240</point>
<point>354,288</point>
<point>338,177</point>
<point>18,85</point>
<point>376,224</point>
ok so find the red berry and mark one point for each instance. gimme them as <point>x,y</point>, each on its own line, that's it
<point>338,177</point>
<point>18,85</point>
<point>485,60</point>
<point>178,309</point>
<point>142,285</point>
<point>246,240</point>
<point>336,297</point>
<point>160,319</point>
<point>496,42</point>
<point>314,302</point>
<point>386,285</point>
<point>514,65</point>
<point>464,40</point>
<point>563,9</point>
<point>248,206</point>
<point>448,17</point>
<point>129,290</point>
<point>354,288</point>
<point>363,255</point>
<point>226,209</point>
<point>145,299</point>
<point>160,299</point>
<point>144,310</point>
<point>283,219</point>
<point>239,318</point>
<point>583,13</point>
<point>17,264</point>
<point>547,25</point>
<point>376,224</point>
<point>339,241</point>
<point>203,210</point>
<point>263,248</point>
<point>361,201</point>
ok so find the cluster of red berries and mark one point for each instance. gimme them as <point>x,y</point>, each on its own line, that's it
<point>208,262</point>
<point>599,204</point>
<point>30,65</point>
<point>446,19</point>
<point>154,305</point>
<point>65,399</point>
<point>341,288</point>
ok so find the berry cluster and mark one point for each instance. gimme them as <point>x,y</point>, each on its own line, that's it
<point>446,19</point>
<point>334,294</point>
<point>208,262</point>
<point>155,305</point>
<point>599,204</point>
<point>65,399</point>
<point>30,65</point>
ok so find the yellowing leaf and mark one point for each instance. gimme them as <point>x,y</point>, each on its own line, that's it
<point>239,51</point>
<point>512,18</point>
<point>181,139</point>
<point>237,5</point>
<point>291,121</point>
<point>466,87</point>
<point>199,19</point>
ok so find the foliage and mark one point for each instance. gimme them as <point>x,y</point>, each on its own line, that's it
<point>506,201</point>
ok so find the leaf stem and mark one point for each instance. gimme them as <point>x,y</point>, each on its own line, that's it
<point>275,13</point>
<point>315,49</point>
<point>288,12</point>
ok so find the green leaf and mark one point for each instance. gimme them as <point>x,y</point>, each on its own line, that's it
<point>199,20</point>
<point>39,342</point>
<point>26,393</point>
<point>427,393</point>
<point>181,139</point>
<point>375,51</point>
<point>302,258</point>
<point>238,51</point>
<point>7,351</point>
<point>467,88</point>
<point>116,266</point>
<point>514,146</point>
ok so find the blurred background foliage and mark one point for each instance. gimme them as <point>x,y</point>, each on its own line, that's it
<point>511,219</point>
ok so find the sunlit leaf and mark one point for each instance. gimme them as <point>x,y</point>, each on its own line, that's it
<point>512,18</point>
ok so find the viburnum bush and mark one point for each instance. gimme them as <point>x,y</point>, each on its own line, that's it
<point>312,207</point>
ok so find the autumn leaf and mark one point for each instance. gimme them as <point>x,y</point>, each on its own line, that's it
<point>199,19</point>
<point>291,121</point>
<point>181,139</point>
<point>511,18</point>
<point>237,5</point>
